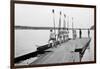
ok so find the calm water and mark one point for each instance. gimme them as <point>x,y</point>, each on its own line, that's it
<point>89,53</point>
<point>26,41</point>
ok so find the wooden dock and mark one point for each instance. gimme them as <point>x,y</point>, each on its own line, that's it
<point>70,51</point>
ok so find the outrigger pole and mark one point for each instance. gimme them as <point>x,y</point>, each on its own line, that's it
<point>59,25</point>
<point>72,24</point>
<point>68,26</point>
<point>54,20</point>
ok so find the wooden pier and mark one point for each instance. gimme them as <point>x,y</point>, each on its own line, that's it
<point>71,51</point>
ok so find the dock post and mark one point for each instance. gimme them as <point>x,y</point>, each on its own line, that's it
<point>80,33</point>
<point>88,33</point>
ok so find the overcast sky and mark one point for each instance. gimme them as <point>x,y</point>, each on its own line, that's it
<point>41,15</point>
